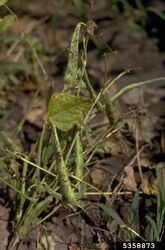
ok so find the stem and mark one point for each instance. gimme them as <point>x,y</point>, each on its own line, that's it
<point>91,91</point>
<point>71,147</point>
<point>134,85</point>
<point>15,189</point>
<point>40,145</point>
<point>36,166</point>
<point>64,182</point>
<point>79,164</point>
<point>79,158</point>
<point>138,153</point>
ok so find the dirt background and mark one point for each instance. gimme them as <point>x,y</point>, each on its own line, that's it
<point>50,26</point>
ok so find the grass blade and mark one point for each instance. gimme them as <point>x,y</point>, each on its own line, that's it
<point>112,213</point>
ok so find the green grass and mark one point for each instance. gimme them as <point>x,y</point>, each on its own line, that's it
<point>54,171</point>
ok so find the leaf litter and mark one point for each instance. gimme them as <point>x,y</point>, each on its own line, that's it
<point>131,181</point>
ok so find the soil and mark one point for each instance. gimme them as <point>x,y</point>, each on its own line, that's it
<point>50,28</point>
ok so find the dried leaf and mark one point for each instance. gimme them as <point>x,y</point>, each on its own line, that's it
<point>98,177</point>
<point>46,242</point>
<point>129,179</point>
<point>148,188</point>
<point>91,26</point>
